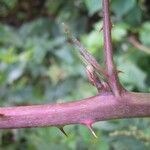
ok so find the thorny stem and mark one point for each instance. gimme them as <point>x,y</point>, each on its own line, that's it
<point>86,112</point>
<point>104,106</point>
<point>111,69</point>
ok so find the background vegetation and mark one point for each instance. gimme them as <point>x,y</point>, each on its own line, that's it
<point>39,65</point>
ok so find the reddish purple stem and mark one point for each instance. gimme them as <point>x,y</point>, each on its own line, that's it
<point>111,69</point>
<point>87,111</point>
<point>109,105</point>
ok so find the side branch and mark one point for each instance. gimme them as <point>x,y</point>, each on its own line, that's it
<point>111,69</point>
<point>87,111</point>
<point>132,39</point>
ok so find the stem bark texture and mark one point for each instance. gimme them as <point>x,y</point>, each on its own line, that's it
<point>87,111</point>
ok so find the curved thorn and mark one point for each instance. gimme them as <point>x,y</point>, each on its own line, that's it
<point>62,130</point>
<point>92,131</point>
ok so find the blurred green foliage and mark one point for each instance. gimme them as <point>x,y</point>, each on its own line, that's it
<point>38,65</point>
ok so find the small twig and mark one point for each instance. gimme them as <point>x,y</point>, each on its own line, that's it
<point>85,54</point>
<point>111,68</point>
<point>89,58</point>
<point>95,80</point>
<point>132,39</point>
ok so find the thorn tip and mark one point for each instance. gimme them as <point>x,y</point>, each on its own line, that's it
<point>92,131</point>
<point>63,131</point>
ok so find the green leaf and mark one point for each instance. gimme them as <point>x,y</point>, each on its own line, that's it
<point>132,75</point>
<point>122,7</point>
<point>8,36</point>
<point>128,143</point>
<point>9,3</point>
<point>105,126</point>
<point>136,20</point>
<point>93,41</point>
<point>93,6</point>
<point>119,31</point>
<point>15,72</point>
<point>145,33</point>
